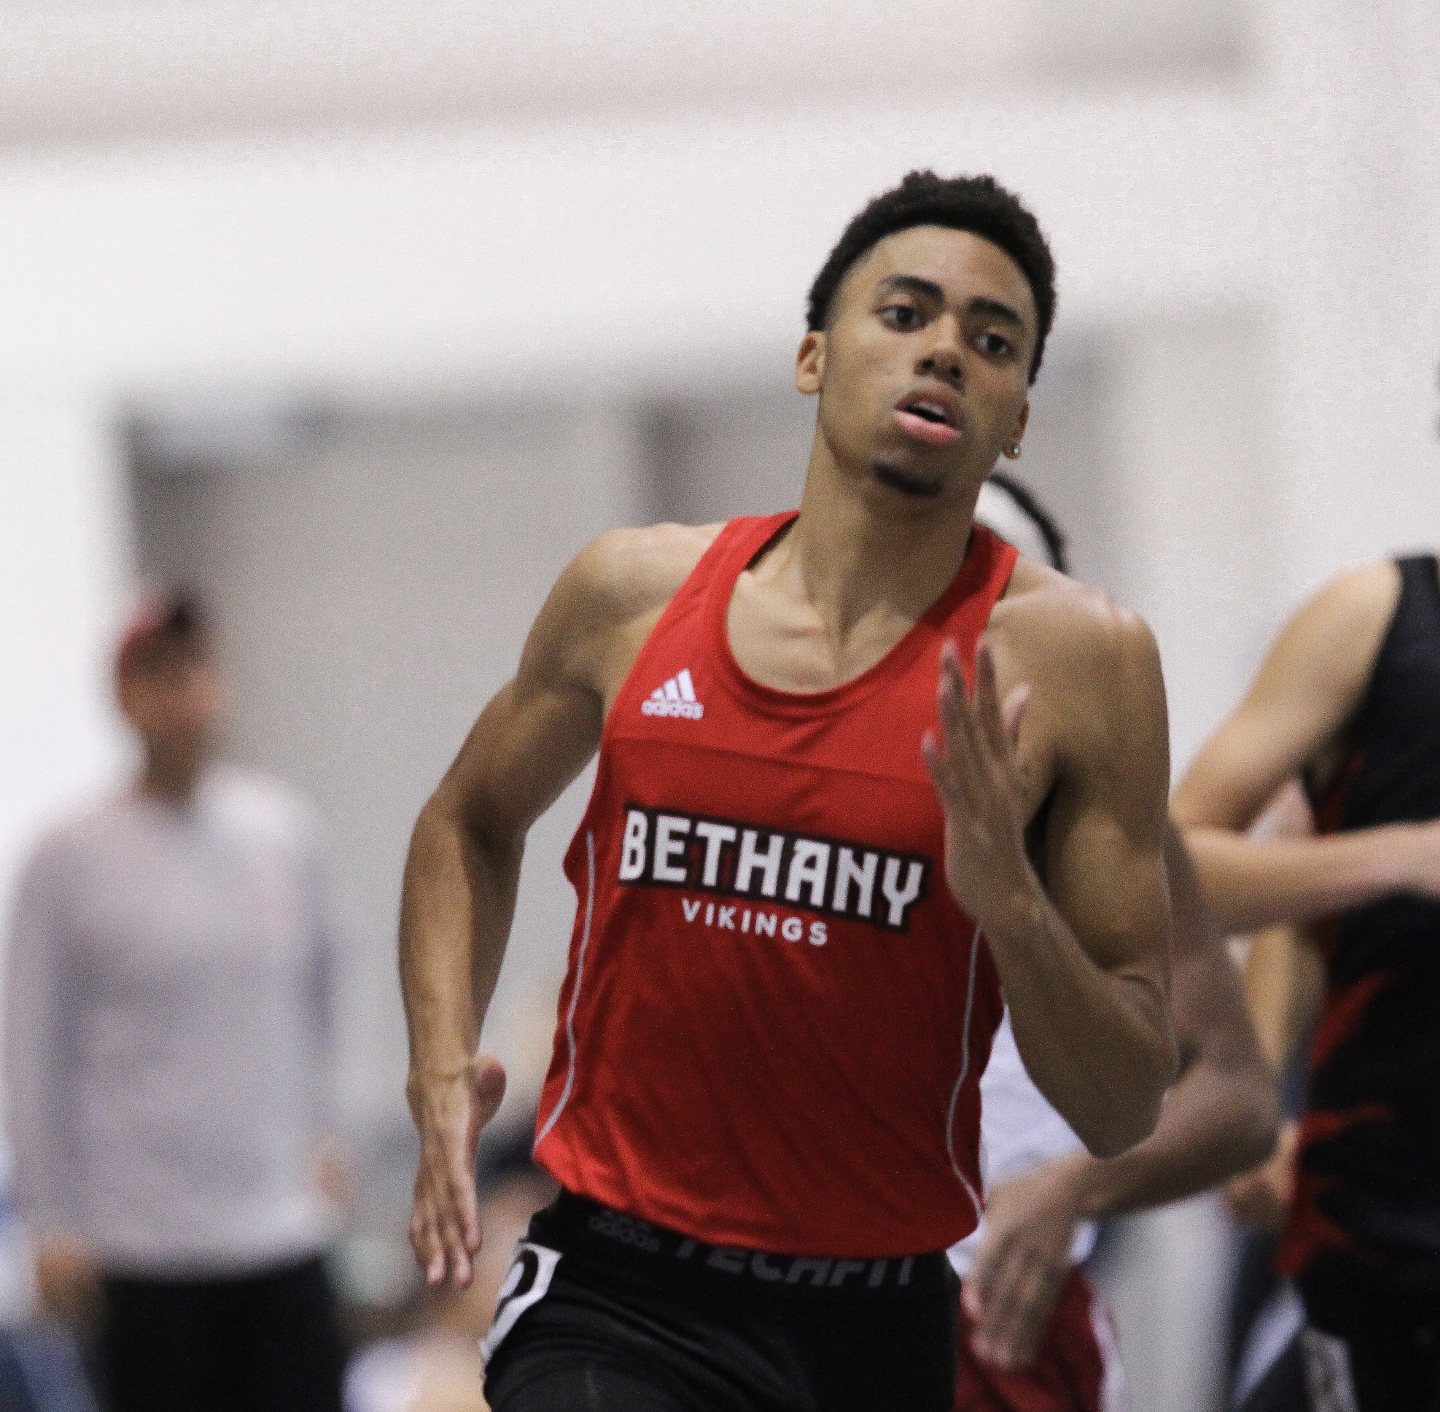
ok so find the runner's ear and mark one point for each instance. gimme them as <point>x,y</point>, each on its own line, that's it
<point>810,363</point>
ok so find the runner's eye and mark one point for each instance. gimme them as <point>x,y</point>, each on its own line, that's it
<point>994,345</point>
<point>901,316</point>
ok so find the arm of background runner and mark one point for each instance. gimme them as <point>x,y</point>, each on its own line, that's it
<point>1221,1116</point>
<point>461,876</point>
<point>1308,690</point>
<point>1082,958</point>
<point>1218,1119</point>
<point>1284,979</point>
<point>1283,974</point>
<point>1283,982</point>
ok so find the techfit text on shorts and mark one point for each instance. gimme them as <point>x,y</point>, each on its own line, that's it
<point>602,1311</point>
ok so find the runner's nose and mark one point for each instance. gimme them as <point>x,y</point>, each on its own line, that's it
<point>943,358</point>
<point>947,369</point>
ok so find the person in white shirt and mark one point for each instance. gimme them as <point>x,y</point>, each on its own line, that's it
<point>168,1057</point>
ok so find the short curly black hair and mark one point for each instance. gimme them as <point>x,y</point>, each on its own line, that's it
<point>978,204</point>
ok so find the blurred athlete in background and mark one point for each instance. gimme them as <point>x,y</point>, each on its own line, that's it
<point>1348,699</point>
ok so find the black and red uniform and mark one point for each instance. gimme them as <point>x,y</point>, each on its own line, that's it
<point>773,1026</point>
<point>1363,1236</point>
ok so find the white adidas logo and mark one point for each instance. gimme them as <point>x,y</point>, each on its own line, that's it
<point>675,698</point>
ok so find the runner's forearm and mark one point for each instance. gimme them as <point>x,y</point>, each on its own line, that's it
<point>456,909</point>
<point>1220,1117</point>
<point>1098,1044</point>
<point>1251,883</point>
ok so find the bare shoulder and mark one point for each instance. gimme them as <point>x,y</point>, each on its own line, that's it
<point>1353,608</point>
<point>1096,718</point>
<point>1297,710</point>
<point>1060,628</point>
<point>606,601</point>
<point>1367,590</point>
<point>628,573</point>
<point>1322,660</point>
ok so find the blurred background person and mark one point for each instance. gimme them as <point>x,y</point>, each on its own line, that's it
<point>1034,1335</point>
<point>168,1041</point>
<point>1348,699</point>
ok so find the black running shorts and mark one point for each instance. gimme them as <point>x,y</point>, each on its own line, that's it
<point>605,1312</point>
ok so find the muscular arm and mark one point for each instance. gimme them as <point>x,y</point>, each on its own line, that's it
<point>1221,1115</point>
<point>1307,692</point>
<point>464,862</point>
<point>463,868</point>
<point>1219,1118</point>
<point>1082,955</point>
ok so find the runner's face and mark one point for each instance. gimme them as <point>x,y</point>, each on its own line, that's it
<point>923,372</point>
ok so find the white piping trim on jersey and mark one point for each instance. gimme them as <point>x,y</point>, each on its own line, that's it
<point>960,1082</point>
<point>1112,1384</point>
<point>579,977</point>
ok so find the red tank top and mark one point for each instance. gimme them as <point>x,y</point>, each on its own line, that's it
<point>775,1018</point>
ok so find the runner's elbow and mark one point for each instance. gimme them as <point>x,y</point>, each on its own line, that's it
<point>1131,1110</point>
<point>449,813</point>
<point>1121,1129</point>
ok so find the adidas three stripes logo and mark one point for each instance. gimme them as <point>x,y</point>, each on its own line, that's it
<point>675,698</point>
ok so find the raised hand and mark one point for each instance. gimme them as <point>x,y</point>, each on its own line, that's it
<point>1024,1257</point>
<point>972,763</point>
<point>450,1110</point>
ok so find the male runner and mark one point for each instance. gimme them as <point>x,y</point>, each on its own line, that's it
<point>1349,698</point>
<point>1034,1336</point>
<point>803,882</point>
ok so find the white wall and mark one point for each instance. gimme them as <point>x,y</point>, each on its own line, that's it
<point>1356,246</point>
<point>634,247</point>
<point>1189,445</point>
<point>104,71</point>
<point>64,555</point>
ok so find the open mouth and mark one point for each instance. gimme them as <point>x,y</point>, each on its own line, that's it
<point>930,412</point>
<point>929,420</point>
